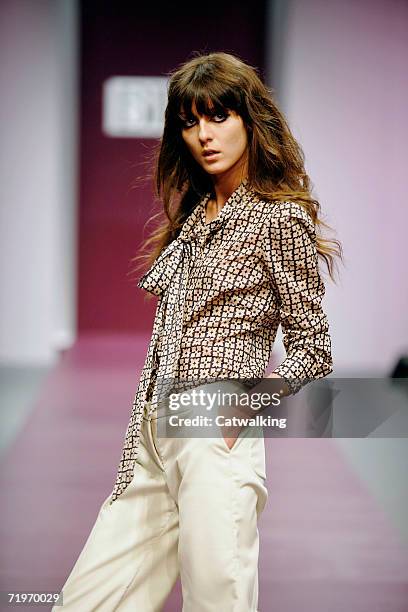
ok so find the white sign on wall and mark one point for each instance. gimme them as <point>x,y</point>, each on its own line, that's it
<point>133,107</point>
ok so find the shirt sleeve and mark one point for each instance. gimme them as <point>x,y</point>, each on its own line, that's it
<point>292,259</point>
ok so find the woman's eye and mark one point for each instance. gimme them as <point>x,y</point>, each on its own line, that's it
<point>188,122</point>
<point>222,117</point>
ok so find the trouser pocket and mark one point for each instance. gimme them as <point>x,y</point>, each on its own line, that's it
<point>150,432</point>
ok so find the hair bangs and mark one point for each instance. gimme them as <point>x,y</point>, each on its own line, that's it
<point>209,98</point>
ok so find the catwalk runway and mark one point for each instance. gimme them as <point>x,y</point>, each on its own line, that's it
<point>326,544</point>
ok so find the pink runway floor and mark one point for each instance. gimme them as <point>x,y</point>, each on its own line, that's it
<point>326,545</point>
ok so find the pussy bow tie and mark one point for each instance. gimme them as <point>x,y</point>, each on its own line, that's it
<point>168,279</point>
<point>172,264</point>
<point>172,259</point>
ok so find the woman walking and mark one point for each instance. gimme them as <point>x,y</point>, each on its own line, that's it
<point>236,256</point>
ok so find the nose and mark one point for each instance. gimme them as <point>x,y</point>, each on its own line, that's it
<point>204,131</point>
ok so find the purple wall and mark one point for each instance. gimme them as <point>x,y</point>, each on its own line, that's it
<point>344,87</point>
<point>128,39</point>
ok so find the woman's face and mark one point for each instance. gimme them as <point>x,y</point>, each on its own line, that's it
<point>219,144</point>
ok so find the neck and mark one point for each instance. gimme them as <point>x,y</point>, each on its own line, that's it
<point>226,184</point>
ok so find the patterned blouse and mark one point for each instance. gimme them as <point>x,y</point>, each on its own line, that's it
<point>224,287</point>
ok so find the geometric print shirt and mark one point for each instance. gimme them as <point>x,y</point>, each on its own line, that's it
<point>224,287</point>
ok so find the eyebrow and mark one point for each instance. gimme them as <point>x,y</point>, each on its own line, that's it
<point>184,114</point>
<point>213,111</point>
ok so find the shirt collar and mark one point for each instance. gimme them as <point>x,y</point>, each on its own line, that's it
<point>195,223</point>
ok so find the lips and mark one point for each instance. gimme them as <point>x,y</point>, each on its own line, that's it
<point>210,152</point>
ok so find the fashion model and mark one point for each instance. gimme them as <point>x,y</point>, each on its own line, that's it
<point>235,257</point>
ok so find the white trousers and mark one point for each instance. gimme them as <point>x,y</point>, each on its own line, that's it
<point>190,510</point>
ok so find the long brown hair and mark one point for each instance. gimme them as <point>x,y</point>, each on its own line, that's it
<point>276,171</point>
